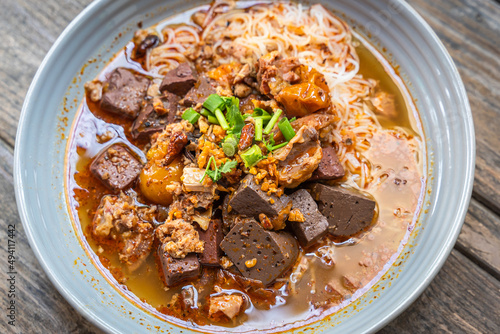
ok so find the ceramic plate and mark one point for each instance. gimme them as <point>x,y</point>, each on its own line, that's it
<point>104,27</point>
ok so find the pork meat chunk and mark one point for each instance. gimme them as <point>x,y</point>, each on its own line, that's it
<point>120,222</point>
<point>229,305</point>
<point>179,238</point>
<point>299,158</point>
<point>155,116</point>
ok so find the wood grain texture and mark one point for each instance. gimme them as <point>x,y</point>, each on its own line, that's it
<point>29,28</point>
<point>462,298</point>
<point>480,238</point>
<point>454,302</point>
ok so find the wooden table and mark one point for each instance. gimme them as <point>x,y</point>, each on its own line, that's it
<point>465,295</point>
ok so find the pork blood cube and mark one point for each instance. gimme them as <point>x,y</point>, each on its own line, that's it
<point>179,81</point>
<point>309,224</point>
<point>330,167</point>
<point>177,270</point>
<point>125,92</point>
<point>250,200</point>
<point>348,212</point>
<point>212,237</point>
<point>259,254</point>
<point>116,167</point>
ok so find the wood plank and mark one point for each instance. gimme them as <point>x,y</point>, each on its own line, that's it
<point>480,238</point>
<point>470,30</point>
<point>461,299</point>
<point>461,294</point>
<point>29,28</point>
<point>40,308</point>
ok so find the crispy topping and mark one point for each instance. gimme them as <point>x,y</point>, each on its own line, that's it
<point>296,216</point>
<point>251,263</point>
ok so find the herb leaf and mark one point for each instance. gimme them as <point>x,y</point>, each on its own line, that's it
<point>216,174</point>
<point>228,166</point>
<point>270,143</point>
<point>235,119</point>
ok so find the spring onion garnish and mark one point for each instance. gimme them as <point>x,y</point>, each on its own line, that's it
<point>286,129</point>
<point>270,143</point>
<point>206,112</point>
<point>279,146</point>
<point>258,129</point>
<point>228,149</point>
<point>230,145</point>
<point>222,120</point>
<point>191,115</point>
<point>214,102</point>
<point>272,122</point>
<point>259,113</point>
<point>212,119</point>
<point>251,156</point>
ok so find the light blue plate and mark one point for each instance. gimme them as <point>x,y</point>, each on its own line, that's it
<point>105,26</point>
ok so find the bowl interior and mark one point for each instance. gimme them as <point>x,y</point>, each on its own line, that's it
<point>103,29</point>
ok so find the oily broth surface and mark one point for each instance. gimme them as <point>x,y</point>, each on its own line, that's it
<point>361,260</point>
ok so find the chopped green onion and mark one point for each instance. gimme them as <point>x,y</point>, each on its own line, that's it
<point>228,149</point>
<point>214,102</point>
<point>265,119</point>
<point>272,122</point>
<point>293,119</point>
<point>206,112</point>
<point>212,119</point>
<point>190,115</point>
<point>232,138</point>
<point>230,145</point>
<point>222,120</point>
<point>258,129</point>
<point>251,156</point>
<point>286,129</point>
<point>279,146</point>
